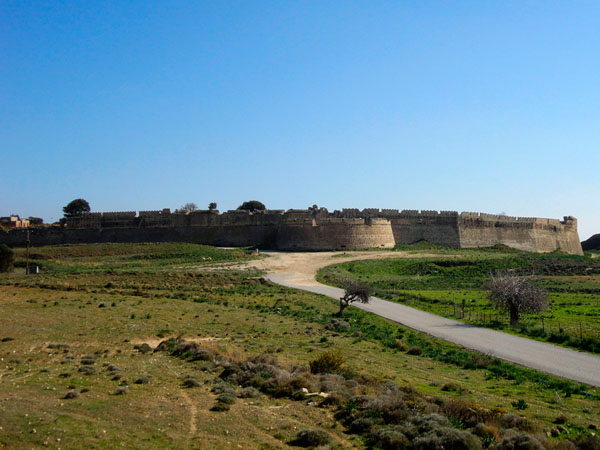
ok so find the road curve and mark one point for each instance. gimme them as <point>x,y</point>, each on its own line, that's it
<point>297,270</point>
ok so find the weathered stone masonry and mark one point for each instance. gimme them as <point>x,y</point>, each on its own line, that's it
<point>311,230</point>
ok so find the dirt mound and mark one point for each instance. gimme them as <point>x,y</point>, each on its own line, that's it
<point>592,243</point>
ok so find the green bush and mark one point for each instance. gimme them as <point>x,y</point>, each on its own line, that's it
<point>329,362</point>
<point>415,350</point>
<point>520,404</point>
<point>7,258</point>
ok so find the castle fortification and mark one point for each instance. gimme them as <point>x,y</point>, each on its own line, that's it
<point>311,229</point>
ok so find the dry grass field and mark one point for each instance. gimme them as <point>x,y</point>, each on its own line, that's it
<point>78,366</point>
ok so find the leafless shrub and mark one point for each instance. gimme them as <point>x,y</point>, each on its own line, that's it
<point>516,295</point>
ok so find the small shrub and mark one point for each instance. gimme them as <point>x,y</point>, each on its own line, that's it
<point>71,394</point>
<point>220,407</point>
<point>202,354</point>
<point>466,413</point>
<point>143,348</point>
<point>329,362</point>
<point>445,437</point>
<point>513,421</point>
<point>561,420</point>
<point>487,433</point>
<point>87,370</point>
<point>191,382</point>
<point>401,345</point>
<point>332,382</point>
<point>519,442</point>
<point>7,258</point>
<point>122,390</point>
<point>337,398</point>
<point>414,351</point>
<point>187,350</point>
<point>142,380</point>
<point>312,438</point>
<point>338,325</point>
<point>223,388</point>
<point>390,406</point>
<point>249,392</point>
<point>227,398</point>
<point>520,404</point>
<point>390,438</point>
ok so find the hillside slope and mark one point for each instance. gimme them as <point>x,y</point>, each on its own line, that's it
<point>592,243</point>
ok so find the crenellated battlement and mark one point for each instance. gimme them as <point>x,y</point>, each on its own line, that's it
<point>314,229</point>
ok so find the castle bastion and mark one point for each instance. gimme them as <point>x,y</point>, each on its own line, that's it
<point>306,230</point>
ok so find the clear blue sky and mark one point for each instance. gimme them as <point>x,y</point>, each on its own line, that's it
<point>489,106</point>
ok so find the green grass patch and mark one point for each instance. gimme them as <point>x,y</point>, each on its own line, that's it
<point>452,286</point>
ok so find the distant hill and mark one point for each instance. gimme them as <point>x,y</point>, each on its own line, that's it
<point>592,243</point>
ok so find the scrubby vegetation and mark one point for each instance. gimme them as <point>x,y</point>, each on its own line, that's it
<point>382,413</point>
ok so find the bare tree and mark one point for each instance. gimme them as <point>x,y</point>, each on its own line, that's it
<point>516,295</point>
<point>189,207</point>
<point>353,292</point>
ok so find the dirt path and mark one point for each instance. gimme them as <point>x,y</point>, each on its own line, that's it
<point>297,270</point>
<point>193,412</point>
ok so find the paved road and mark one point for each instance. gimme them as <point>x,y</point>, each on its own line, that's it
<point>559,361</point>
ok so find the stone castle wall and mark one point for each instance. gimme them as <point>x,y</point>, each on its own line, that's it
<point>311,229</point>
<point>524,233</point>
<point>335,234</point>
